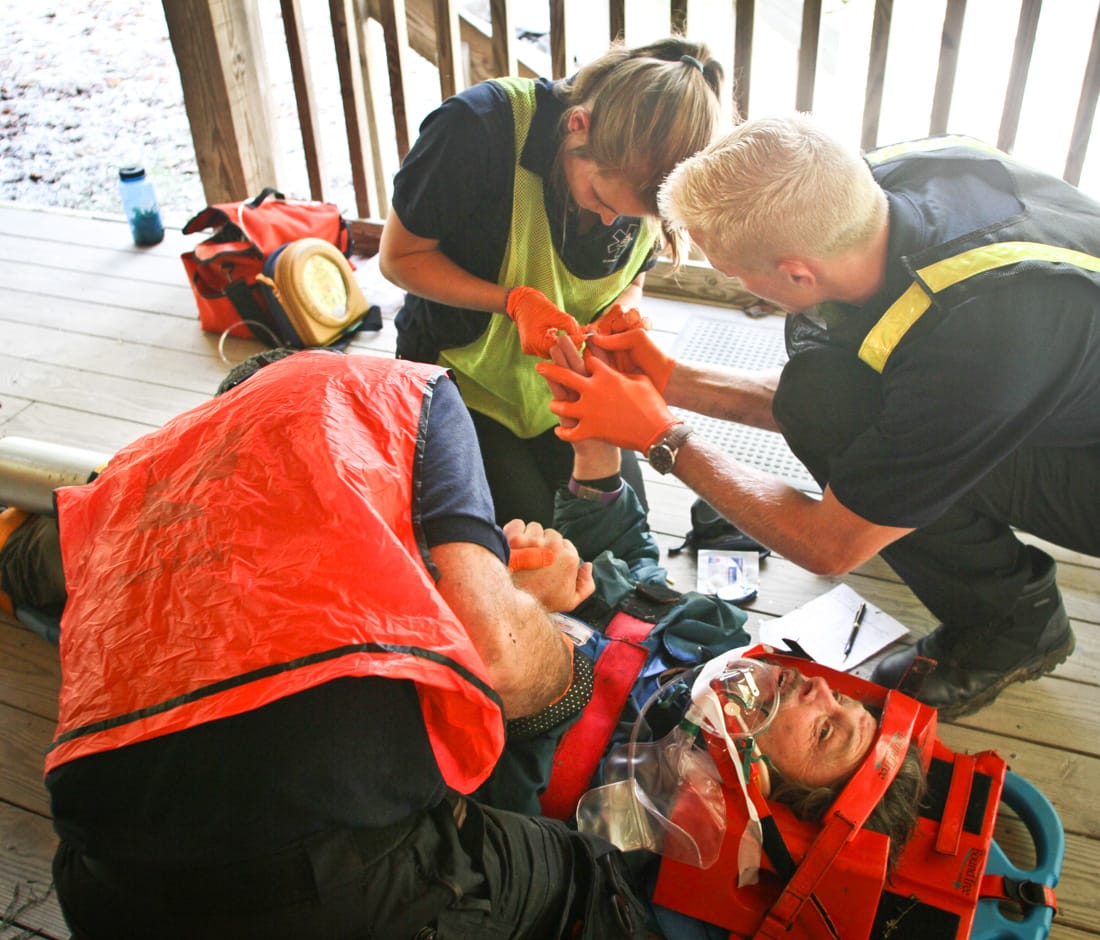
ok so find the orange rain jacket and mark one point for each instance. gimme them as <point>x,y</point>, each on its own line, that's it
<point>259,545</point>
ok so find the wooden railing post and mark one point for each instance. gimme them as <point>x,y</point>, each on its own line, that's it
<point>678,16</point>
<point>1086,111</point>
<point>396,31</point>
<point>302,78</point>
<point>742,54</point>
<point>503,40</point>
<point>876,73</point>
<point>808,44</point>
<point>356,101</point>
<point>561,62</point>
<point>448,49</point>
<point>949,64</point>
<point>1017,76</point>
<point>616,19</point>
<point>220,55</point>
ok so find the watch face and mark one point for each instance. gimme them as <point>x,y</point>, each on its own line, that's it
<point>661,458</point>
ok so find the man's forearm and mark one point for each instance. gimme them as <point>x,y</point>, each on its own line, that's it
<point>760,505</point>
<point>820,535</point>
<point>736,395</point>
<point>520,645</point>
<point>539,668</point>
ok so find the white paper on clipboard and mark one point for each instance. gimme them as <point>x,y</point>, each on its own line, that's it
<point>822,626</point>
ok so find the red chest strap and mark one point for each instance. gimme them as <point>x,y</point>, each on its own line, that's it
<point>583,745</point>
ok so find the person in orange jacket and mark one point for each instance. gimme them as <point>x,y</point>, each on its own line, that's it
<point>290,647</point>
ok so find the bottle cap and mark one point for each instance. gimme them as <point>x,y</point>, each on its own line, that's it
<point>134,172</point>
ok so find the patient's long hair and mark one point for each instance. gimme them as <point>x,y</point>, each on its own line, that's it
<point>895,815</point>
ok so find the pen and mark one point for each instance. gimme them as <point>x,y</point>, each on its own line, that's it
<point>855,630</point>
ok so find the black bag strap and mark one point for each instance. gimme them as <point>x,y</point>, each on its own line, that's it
<point>248,307</point>
<point>264,193</point>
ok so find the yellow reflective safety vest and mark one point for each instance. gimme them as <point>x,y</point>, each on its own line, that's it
<point>260,545</point>
<point>495,376</point>
<point>1056,233</point>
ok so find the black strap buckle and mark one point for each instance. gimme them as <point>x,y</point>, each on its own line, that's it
<point>1025,892</point>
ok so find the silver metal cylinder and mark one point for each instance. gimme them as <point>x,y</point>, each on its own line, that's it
<point>31,470</point>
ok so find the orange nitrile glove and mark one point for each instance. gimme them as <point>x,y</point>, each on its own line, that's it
<point>635,353</point>
<point>539,321</point>
<point>617,320</point>
<point>624,410</point>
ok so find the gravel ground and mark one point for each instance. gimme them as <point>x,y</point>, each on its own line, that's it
<point>85,87</point>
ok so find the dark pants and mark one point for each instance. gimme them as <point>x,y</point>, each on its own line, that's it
<point>30,566</point>
<point>524,473</point>
<point>967,567</point>
<point>500,876</point>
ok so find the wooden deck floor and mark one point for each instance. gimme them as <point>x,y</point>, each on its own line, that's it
<point>100,344</point>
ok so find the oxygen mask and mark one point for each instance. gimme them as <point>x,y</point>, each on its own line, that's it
<point>668,796</point>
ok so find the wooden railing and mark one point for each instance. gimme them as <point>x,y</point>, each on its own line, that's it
<point>224,73</point>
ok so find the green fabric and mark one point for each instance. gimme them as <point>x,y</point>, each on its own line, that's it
<point>494,375</point>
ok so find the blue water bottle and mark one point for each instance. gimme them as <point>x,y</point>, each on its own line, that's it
<point>139,202</point>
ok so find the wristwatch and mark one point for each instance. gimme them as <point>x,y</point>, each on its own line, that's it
<point>662,455</point>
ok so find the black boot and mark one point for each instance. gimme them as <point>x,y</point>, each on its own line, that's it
<point>974,664</point>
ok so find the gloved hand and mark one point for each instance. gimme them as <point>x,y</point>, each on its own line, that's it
<point>635,353</point>
<point>617,320</point>
<point>625,410</point>
<point>539,321</point>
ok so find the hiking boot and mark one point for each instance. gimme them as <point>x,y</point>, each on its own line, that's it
<point>975,664</point>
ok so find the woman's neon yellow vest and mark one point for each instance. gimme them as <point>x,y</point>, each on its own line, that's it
<point>494,375</point>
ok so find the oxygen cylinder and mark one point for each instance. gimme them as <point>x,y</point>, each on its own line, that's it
<point>31,470</point>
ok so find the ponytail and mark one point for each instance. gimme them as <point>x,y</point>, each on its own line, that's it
<point>650,108</point>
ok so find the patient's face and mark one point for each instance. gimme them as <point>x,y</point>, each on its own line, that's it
<point>818,736</point>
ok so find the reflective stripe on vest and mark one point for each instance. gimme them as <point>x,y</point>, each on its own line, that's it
<point>885,335</point>
<point>927,145</point>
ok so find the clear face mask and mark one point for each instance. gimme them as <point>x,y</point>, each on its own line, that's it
<point>667,796</point>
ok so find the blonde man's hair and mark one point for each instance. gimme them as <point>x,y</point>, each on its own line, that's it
<point>776,187</point>
<point>650,107</point>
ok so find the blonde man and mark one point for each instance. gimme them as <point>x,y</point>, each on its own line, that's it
<point>924,280</point>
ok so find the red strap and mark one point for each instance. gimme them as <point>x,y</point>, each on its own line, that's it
<point>583,745</point>
<point>1027,894</point>
<point>954,810</point>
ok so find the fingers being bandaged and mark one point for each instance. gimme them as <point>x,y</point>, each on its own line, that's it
<point>635,352</point>
<point>572,700</point>
<point>625,410</point>
<point>618,320</point>
<point>539,321</point>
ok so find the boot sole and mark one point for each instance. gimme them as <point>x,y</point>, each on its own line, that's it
<point>1050,661</point>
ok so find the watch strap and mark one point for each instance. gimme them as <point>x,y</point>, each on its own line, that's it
<point>591,494</point>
